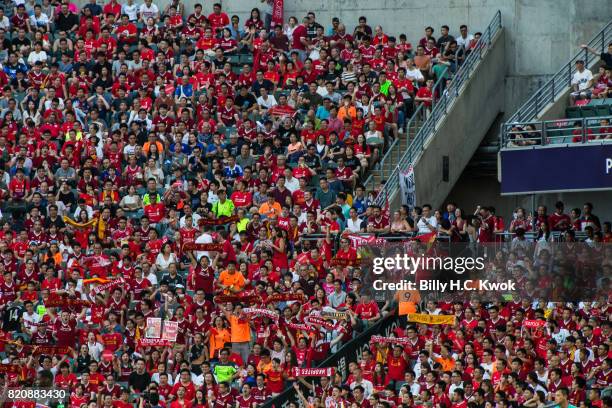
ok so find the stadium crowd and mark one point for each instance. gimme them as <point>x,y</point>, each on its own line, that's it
<point>207,172</point>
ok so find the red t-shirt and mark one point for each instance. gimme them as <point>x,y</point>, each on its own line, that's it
<point>367,311</point>
<point>298,33</point>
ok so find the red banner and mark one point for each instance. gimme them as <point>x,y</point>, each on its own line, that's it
<point>277,12</point>
<point>534,324</point>
<point>300,326</point>
<point>192,246</point>
<point>255,312</point>
<point>285,297</point>
<point>344,262</point>
<point>390,340</point>
<point>66,302</point>
<point>108,286</point>
<point>10,369</point>
<point>143,342</point>
<point>218,221</point>
<point>319,321</point>
<point>51,350</point>
<point>282,111</point>
<point>313,372</point>
<point>250,299</point>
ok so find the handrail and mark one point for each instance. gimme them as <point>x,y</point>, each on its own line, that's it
<point>558,84</point>
<point>440,110</point>
<point>437,91</point>
<point>558,131</point>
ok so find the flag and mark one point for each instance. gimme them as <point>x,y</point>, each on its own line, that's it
<point>408,187</point>
<point>277,12</point>
<point>431,319</point>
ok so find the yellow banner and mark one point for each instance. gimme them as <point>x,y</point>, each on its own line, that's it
<point>431,319</point>
<point>75,224</point>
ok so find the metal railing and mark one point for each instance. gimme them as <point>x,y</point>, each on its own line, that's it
<point>394,151</point>
<point>441,108</point>
<point>554,132</point>
<point>558,84</point>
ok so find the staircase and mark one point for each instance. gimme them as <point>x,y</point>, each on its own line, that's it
<point>388,163</point>
<point>454,128</point>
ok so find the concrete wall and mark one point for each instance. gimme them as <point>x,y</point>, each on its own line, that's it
<point>460,133</point>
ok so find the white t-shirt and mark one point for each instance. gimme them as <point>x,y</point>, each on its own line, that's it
<point>354,226</point>
<point>5,23</point>
<point>95,350</point>
<point>267,103</point>
<point>203,239</point>
<point>414,74</point>
<point>368,388</point>
<point>292,185</point>
<point>35,57</point>
<point>195,217</point>
<point>131,11</point>
<point>147,12</point>
<point>423,228</point>
<point>31,320</point>
<point>582,79</point>
<point>464,42</point>
<point>163,262</point>
<point>39,21</point>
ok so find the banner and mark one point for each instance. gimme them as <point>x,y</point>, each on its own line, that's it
<point>344,262</point>
<point>192,246</point>
<point>334,315</point>
<point>75,224</point>
<point>277,12</point>
<point>518,167</point>
<point>50,350</point>
<point>300,326</point>
<point>408,187</point>
<point>285,297</point>
<point>390,340</point>
<point>144,342</point>
<point>107,286</point>
<point>358,240</point>
<point>283,111</point>
<point>101,281</point>
<point>249,299</point>
<point>66,302</point>
<point>10,369</point>
<point>154,328</point>
<point>534,324</point>
<point>218,221</point>
<point>349,352</point>
<point>313,372</point>
<point>170,331</point>
<point>255,312</point>
<point>319,321</point>
<point>431,319</point>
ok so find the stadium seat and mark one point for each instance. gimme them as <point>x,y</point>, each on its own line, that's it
<point>602,110</point>
<point>234,59</point>
<point>588,111</point>
<point>572,112</point>
<point>246,59</point>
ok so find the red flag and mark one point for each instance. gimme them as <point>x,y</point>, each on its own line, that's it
<point>426,238</point>
<point>277,12</point>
